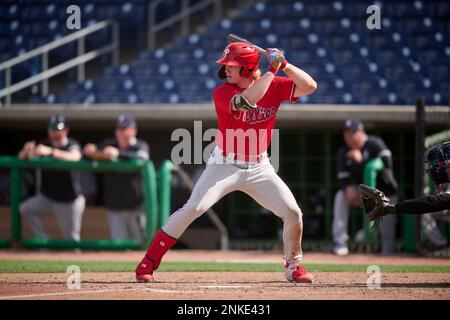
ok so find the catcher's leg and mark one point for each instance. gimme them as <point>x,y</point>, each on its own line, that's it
<point>216,181</point>
<point>269,190</point>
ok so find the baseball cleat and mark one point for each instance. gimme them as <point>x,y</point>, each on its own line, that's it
<point>299,274</point>
<point>144,271</point>
<point>144,278</point>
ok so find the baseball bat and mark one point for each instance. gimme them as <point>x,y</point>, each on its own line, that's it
<point>235,38</point>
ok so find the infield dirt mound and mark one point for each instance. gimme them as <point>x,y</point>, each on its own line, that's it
<point>225,285</point>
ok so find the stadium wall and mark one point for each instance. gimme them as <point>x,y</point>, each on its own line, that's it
<point>309,138</point>
<point>168,116</point>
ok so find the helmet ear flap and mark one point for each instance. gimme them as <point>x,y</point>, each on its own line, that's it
<point>221,72</point>
<point>242,73</point>
<point>246,72</point>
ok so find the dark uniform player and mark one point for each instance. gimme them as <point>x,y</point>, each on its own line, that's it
<point>122,192</point>
<point>359,149</point>
<point>60,191</point>
<point>437,160</point>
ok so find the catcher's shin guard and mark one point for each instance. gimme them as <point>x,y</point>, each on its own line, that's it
<point>160,245</point>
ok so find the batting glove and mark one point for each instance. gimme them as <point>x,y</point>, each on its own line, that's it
<point>277,60</point>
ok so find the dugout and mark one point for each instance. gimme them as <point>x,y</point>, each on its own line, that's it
<point>309,138</point>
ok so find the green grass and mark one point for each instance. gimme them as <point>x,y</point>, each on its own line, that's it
<point>50,266</point>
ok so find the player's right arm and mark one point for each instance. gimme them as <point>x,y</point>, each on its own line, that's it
<point>73,152</point>
<point>70,155</point>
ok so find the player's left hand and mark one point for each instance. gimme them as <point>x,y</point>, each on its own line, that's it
<point>355,155</point>
<point>89,148</point>
<point>42,151</point>
<point>277,59</point>
<point>111,152</point>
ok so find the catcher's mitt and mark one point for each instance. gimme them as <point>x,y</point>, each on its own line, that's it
<point>375,203</point>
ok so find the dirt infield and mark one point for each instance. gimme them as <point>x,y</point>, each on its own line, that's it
<point>228,285</point>
<point>224,285</point>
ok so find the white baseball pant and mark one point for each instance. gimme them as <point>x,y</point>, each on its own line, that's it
<point>258,180</point>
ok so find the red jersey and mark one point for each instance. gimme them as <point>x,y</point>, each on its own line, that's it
<point>249,132</point>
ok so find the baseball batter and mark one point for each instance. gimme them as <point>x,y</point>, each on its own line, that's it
<point>246,105</point>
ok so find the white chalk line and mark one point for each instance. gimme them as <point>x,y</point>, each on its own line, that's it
<point>74,292</point>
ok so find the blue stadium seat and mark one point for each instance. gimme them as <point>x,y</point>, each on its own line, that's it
<point>364,85</point>
<point>337,41</point>
<point>9,11</point>
<point>427,40</point>
<point>329,39</point>
<point>344,56</point>
<point>402,9</point>
<point>441,9</point>
<point>440,71</point>
<point>353,70</point>
<point>354,9</point>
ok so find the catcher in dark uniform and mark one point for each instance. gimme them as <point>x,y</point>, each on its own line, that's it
<point>437,160</point>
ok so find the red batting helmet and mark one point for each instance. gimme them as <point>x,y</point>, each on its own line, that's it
<point>239,54</point>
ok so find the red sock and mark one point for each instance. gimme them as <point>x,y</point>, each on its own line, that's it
<point>160,245</point>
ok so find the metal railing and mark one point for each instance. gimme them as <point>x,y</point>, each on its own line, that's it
<point>371,170</point>
<point>183,16</point>
<point>79,61</point>
<point>149,185</point>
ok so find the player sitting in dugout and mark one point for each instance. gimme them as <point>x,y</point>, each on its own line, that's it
<point>437,160</point>
<point>60,192</point>
<point>122,192</point>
